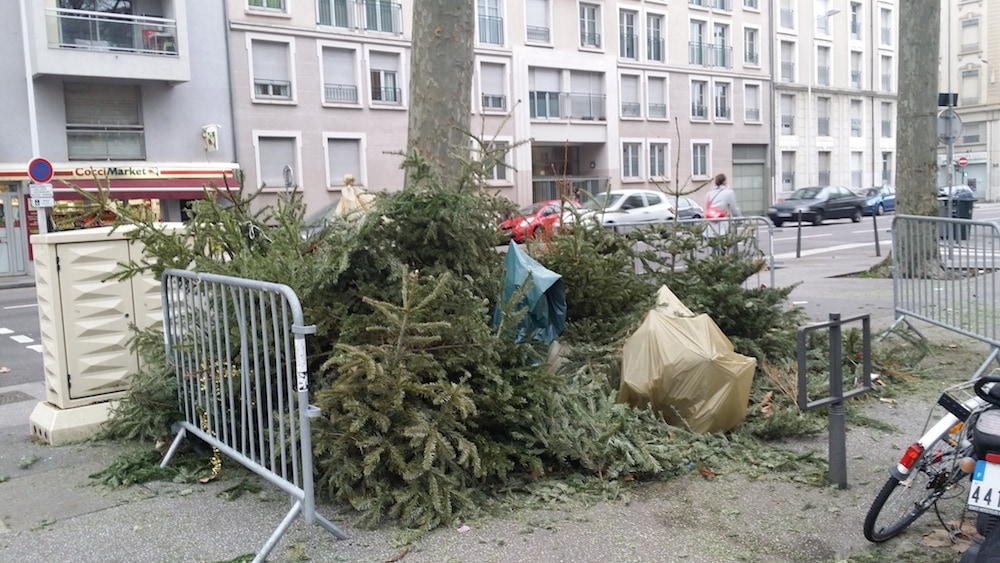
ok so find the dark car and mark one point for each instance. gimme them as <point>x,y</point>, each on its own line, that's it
<point>880,200</point>
<point>537,218</point>
<point>817,204</point>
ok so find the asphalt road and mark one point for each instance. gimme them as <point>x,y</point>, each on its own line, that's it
<point>20,337</point>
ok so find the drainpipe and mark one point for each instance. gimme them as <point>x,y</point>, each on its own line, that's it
<point>229,74</point>
<point>29,83</point>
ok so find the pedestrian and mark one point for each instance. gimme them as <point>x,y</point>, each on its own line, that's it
<point>722,200</point>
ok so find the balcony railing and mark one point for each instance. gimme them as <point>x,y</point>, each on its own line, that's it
<point>628,44</point>
<point>655,50</point>
<point>102,31</point>
<point>723,112</point>
<point>787,18</point>
<point>546,187</point>
<point>969,47</point>
<point>278,89</point>
<point>722,5</point>
<point>787,71</point>
<point>387,96</point>
<point>751,57</point>
<point>657,110</point>
<point>855,29</point>
<point>631,109</point>
<point>968,100</point>
<point>340,93</point>
<point>703,3</point>
<point>823,126</point>
<point>707,54</point>
<point>752,114</point>
<point>588,39</point>
<point>537,34</point>
<point>564,105</point>
<point>494,101</point>
<point>106,143</point>
<point>371,15</point>
<point>699,111</point>
<point>855,127</point>
<point>491,30</point>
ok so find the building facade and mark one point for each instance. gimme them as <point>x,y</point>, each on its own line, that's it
<point>128,95</point>
<point>835,93</point>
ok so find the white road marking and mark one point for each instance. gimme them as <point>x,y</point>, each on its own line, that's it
<point>814,251</point>
<point>20,306</point>
<point>6,330</point>
<point>22,339</point>
<point>35,347</point>
<point>776,239</point>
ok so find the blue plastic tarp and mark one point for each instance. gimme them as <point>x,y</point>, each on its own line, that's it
<point>545,298</point>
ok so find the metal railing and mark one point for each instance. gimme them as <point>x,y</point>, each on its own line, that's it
<point>491,30</point>
<point>265,88</point>
<point>340,93</point>
<point>238,351</point>
<point>590,39</point>
<point>546,187</point>
<point>657,110</point>
<point>567,105</point>
<point>945,272</point>
<point>392,96</point>
<point>787,71</point>
<point>709,54</point>
<point>655,49</point>
<point>631,109</point>
<point>369,15</point>
<point>494,101</point>
<point>855,79</point>
<point>751,114</point>
<point>92,142</point>
<point>104,31</point>
<point>537,34</point>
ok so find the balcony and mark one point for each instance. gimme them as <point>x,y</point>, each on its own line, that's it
<point>657,110</point>
<point>628,45</point>
<point>590,40</point>
<point>564,105</point>
<point>752,114</point>
<point>368,15</point>
<point>493,102</point>
<point>707,54</point>
<point>631,109</point>
<point>699,111</point>
<point>751,58</point>
<point>655,50</point>
<point>340,93</point>
<point>535,34</point>
<point>85,43</point>
<point>723,112</point>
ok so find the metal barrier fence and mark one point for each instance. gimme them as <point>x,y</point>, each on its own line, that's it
<point>238,350</point>
<point>754,233</point>
<point>945,274</point>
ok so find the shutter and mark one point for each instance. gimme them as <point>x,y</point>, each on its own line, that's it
<point>102,104</point>
<point>384,61</point>
<point>656,90</point>
<point>344,158</point>
<point>270,60</point>
<point>585,83</point>
<point>546,80</point>
<point>273,154</point>
<point>537,13</point>
<point>492,78</point>
<point>630,89</point>
<point>752,97</point>
<point>338,66</point>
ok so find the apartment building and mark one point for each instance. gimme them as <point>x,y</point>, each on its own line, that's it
<point>131,95</point>
<point>968,70</point>
<point>835,92</point>
<point>606,94</point>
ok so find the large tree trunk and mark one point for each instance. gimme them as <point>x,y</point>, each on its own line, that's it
<point>440,84</point>
<point>916,133</point>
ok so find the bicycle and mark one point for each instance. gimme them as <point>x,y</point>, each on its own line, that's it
<point>927,469</point>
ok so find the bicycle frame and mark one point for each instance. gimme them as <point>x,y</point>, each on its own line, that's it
<point>937,432</point>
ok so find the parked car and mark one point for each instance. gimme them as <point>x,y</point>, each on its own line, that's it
<point>817,204</point>
<point>628,206</point>
<point>538,218</point>
<point>685,208</point>
<point>879,200</point>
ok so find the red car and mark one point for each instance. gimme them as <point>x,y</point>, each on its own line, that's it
<point>537,218</point>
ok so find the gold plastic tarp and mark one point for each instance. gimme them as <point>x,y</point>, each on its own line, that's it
<point>683,366</point>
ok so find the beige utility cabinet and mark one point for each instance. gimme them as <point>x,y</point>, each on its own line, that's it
<point>86,326</point>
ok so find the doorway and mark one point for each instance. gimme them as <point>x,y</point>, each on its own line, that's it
<point>12,224</point>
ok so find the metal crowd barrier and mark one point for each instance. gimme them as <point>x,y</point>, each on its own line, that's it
<point>757,241</point>
<point>238,350</point>
<point>945,274</point>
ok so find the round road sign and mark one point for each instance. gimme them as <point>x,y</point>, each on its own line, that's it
<point>40,170</point>
<point>962,161</point>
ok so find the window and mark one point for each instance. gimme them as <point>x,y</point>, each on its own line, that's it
<point>885,27</point>
<point>786,18</point>
<point>586,97</point>
<point>823,20</point>
<point>823,66</point>
<point>857,117</point>
<point>969,87</point>
<point>856,65</point>
<point>856,20</point>
<point>104,122</point>
<point>886,120</point>
<point>723,110</point>
<point>343,157</point>
<point>699,159</point>
<point>271,64</point>
<point>886,73</point>
<point>490,22</point>
<point>787,171</point>
<point>787,102</point>
<point>384,73</point>
<point>274,152</point>
<point>823,162</point>
<point>751,102</point>
<point>628,38</point>
<point>267,5</point>
<point>658,158</point>
<point>722,51</point>
<point>630,96</point>
<point>972,132</point>
<point>698,94</point>
<point>536,15</point>
<point>491,77</point>
<point>543,95</point>
<point>696,43</point>
<point>630,160</point>
<point>590,26</point>
<point>339,76</point>
<point>500,152</point>
<point>655,44</point>
<point>823,116</point>
<point>887,167</point>
<point>657,97</point>
<point>970,35</point>
<point>787,49</point>
<point>752,4</point>
<point>857,158</point>
<point>382,15</point>
<point>751,48</point>
<point>338,13</point>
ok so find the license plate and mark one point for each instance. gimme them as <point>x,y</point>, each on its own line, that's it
<point>984,491</point>
<point>784,214</point>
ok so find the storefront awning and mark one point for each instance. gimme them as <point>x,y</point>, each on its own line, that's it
<point>132,180</point>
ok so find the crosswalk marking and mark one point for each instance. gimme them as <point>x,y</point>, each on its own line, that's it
<point>35,347</point>
<point>22,339</point>
<point>5,330</point>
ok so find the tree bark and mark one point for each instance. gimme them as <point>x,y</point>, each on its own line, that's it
<point>441,61</point>
<point>916,133</point>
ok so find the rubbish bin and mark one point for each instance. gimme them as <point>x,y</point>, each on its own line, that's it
<point>961,208</point>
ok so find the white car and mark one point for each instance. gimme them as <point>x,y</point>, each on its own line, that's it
<point>628,207</point>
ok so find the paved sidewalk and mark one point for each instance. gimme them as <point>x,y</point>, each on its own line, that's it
<point>51,512</point>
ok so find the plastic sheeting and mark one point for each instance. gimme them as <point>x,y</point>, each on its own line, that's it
<point>545,299</point>
<point>684,367</point>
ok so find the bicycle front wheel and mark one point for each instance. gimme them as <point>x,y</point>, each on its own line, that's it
<point>899,503</point>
